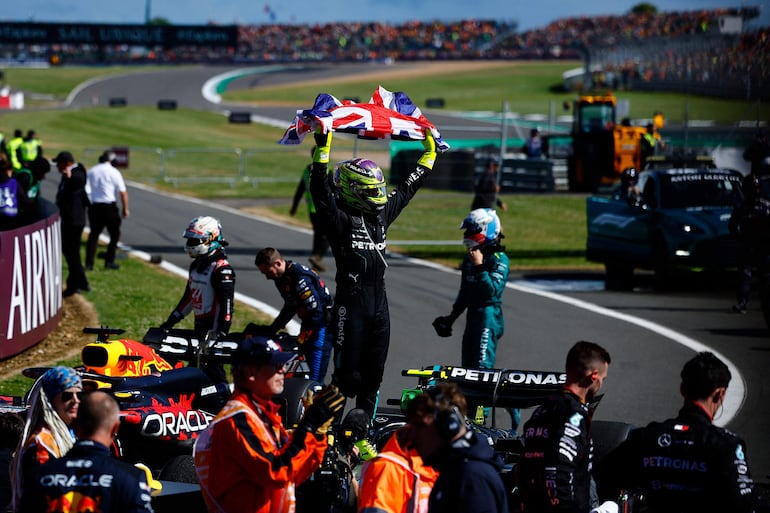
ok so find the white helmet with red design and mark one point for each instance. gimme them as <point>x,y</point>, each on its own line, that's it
<point>204,237</point>
<point>482,226</point>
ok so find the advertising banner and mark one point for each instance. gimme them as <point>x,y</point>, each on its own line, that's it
<point>103,34</point>
<point>30,284</point>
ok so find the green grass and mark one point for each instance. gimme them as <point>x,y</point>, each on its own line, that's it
<point>210,146</point>
<point>527,87</point>
<point>534,239</point>
<point>541,231</point>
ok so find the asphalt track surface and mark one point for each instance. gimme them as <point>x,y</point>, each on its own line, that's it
<point>649,334</point>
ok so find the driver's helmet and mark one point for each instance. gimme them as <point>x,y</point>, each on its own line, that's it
<point>360,183</point>
<point>204,237</point>
<point>630,176</point>
<point>481,226</point>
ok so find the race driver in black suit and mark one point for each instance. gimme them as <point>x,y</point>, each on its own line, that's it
<point>357,212</point>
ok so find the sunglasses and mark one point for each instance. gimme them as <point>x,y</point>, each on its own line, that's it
<point>68,396</point>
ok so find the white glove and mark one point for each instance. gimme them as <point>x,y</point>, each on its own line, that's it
<point>606,507</point>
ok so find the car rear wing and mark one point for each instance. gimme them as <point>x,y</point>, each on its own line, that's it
<point>183,344</point>
<point>506,388</point>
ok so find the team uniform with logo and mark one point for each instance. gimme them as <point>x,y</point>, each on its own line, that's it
<point>684,464</point>
<point>40,449</point>
<point>305,294</point>
<point>481,293</point>
<point>87,479</point>
<point>555,470</point>
<point>361,320</point>
<point>209,294</point>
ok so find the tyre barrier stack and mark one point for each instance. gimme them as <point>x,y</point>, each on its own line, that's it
<point>240,117</point>
<point>166,104</point>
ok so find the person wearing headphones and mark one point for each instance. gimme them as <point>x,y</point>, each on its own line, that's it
<point>468,467</point>
<point>396,480</point>
<point>554,474</point>
<point>685,463</point>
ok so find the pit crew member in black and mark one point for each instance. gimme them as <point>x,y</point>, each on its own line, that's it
<point>304,294</point>
<point>88,478</point>
<point>210,291</point>
<point>554,474</point>
<point>684,464</point>
<point>357,213</point>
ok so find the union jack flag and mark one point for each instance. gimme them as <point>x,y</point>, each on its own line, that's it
<point>387,115</point>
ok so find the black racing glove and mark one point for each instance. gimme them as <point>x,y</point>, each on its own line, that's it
<point>443,326</point>
<point>322,411</point>
<point>174,318</point>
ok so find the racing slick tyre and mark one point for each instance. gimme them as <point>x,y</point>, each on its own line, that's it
<point>618,276</point>
<point>180,469</point>
<point>290,400</point>
<point>607,435</point>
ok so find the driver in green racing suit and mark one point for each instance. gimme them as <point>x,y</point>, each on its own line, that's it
<point>484,275</point>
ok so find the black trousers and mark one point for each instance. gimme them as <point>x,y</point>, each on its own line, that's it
<point>320,243</point>
<point>70,247</point>
<point>361,335</point>
<point>101,216</point>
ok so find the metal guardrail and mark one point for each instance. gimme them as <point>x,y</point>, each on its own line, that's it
<point>191,165</point>
<point>256,166</point>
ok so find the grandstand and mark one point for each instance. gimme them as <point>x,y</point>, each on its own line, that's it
<point>716,50</point>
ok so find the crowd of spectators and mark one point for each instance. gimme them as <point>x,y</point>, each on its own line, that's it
<point>628,47</point>
<point>416,40</point>
<point>369,41</point>
<point>728,66</point>
<point>568,35</point>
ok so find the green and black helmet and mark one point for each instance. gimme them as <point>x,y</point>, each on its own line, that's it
<point>360,183</point>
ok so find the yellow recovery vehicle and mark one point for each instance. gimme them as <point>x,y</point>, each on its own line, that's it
<point>601,147</point>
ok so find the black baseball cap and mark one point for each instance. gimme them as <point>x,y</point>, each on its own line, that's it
<point>260,350</point>
<point>65,157</point>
